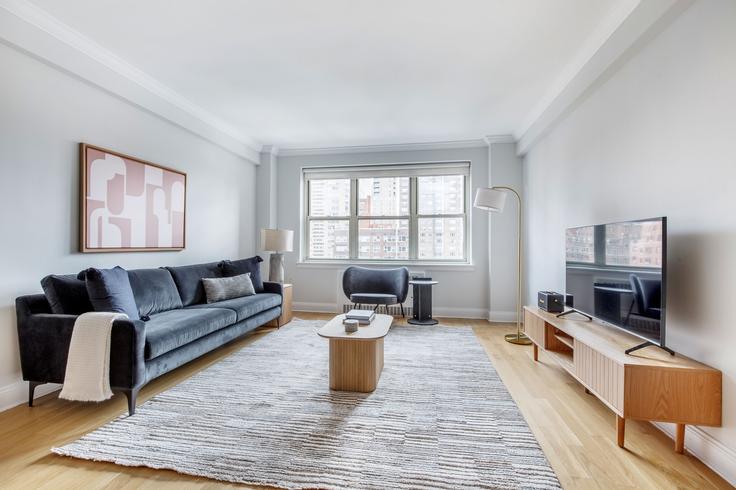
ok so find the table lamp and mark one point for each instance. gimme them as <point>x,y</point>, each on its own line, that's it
<point>276,242</point>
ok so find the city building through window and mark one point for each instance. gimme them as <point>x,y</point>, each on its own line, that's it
<point>387,212</point>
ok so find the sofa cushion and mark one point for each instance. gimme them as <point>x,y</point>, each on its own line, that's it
<point>109,290</point>
<point>246,306</point>
<point>66,294</point>
<point>188,279</point>
<point>243,266</point>
<point>171,329</point>
<point>154,291</point>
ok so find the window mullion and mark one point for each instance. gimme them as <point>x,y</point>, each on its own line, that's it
<point>353,232</point>
<point>413,222</point>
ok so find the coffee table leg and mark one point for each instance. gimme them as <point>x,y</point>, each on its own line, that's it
<point>355,365</point>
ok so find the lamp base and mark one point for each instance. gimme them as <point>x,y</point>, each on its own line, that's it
<point>517,338</point>
<point>276,268</point>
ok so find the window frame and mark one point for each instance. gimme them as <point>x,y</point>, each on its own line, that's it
<point>353,174</point>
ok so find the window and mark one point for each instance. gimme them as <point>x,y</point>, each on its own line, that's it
<point>387,212</point>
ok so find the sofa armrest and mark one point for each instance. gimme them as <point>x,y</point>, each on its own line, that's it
<point>273,287</point>
<point>44,340</point>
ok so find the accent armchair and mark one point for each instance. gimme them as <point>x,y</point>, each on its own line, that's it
<point>364,286</point>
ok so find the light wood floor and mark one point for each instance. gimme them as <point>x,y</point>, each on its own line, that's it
<point>576,431</point>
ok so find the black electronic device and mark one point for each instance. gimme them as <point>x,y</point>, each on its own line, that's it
<point>616,272</point>
<point>551,301</point>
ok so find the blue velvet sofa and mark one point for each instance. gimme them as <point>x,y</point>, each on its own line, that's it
<point>176,326</point>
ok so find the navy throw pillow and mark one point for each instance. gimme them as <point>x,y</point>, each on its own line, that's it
<point>66,295</point>
<point>243,266</point>
<point>109,290</point>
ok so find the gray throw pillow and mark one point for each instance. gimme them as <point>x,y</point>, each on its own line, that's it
<point>109,290</point>
<point>222,288</point>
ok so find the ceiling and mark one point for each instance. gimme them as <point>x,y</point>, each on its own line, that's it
<point>325,73</point>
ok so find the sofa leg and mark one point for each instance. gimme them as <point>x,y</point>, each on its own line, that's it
<point>31,389</point>
<point>131,395</point>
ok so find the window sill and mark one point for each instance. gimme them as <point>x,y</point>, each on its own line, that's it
<point>338,264</point>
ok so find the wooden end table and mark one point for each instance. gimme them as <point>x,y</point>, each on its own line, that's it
<point>286,310</point>
<point>356,358</point>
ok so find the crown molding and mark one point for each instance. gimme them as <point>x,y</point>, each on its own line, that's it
<point>270,149</point>
<point>492,139</point>
<point>616,40</point>
<point>33,31</point>
<point>333,150</point>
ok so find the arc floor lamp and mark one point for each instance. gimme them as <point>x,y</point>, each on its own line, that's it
<point>493,199</point>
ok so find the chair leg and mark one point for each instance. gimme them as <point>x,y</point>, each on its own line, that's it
<point>375,308</point>
<point>401,305</point>
<point>31,389</point>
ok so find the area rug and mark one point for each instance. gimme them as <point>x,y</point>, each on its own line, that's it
<point>440,418</point>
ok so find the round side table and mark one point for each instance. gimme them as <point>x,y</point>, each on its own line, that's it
<point>422,314</point>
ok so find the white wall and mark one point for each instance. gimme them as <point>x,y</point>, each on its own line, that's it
<point>657,138</point>
<point>462,291</point>
<point>44,114</point>
<point>505,170</point>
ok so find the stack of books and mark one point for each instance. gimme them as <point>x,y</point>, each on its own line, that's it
<point>364,317</point>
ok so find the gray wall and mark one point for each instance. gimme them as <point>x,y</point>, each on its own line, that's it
<point>657,138</point>
<point>462,291</point>
<point>44,115</point>
<point>506,170</point>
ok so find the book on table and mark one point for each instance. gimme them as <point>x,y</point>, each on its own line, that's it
<point>364,317</point>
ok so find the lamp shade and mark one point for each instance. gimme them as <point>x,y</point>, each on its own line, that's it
<point>277,240</point>
<point>490,199</point>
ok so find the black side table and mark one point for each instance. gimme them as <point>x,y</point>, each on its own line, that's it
<point>422,314</point>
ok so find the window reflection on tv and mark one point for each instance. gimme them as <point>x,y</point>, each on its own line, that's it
<point>616,273</point>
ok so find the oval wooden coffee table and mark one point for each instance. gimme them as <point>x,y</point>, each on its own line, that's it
<point>356,359</point>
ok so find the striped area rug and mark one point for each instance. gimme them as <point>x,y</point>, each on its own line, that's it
<point>440,418</point>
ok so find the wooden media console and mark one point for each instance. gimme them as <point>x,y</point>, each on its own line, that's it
<point>648,384</point>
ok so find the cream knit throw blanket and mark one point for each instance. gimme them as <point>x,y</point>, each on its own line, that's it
<point>87,377</point>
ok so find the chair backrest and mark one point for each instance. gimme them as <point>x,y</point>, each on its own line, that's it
<point>357,280</point>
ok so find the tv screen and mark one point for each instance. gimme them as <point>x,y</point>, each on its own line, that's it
<point>616,273</point>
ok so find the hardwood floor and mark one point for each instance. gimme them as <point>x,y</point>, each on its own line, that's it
<point>576,431</point>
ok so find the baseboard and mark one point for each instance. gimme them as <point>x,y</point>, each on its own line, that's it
<point>711,452</point>
<point>438,311</point>
<point>17,393</point>
<point>450,312</point>
<point>315,307</point>
<point>501,316</point>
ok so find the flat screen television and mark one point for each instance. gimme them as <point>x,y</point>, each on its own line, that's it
<point>616,273</point>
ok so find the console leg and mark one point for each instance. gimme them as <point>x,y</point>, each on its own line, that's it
<point>620,430</point>
<point>31,389</point>
<point>680,439</point>
<point>536,352</point>
<point>131,395</point>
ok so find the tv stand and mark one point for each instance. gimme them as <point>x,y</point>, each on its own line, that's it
<point>649,385</point>
<point>647,344</point>
<point>573,310</point>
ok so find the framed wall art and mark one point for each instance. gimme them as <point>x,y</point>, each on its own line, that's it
<point>128,204</point>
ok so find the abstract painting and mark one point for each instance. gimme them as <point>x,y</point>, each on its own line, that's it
<point>128,204</point>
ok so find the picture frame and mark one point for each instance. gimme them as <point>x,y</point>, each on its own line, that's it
<point>128,204</point>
